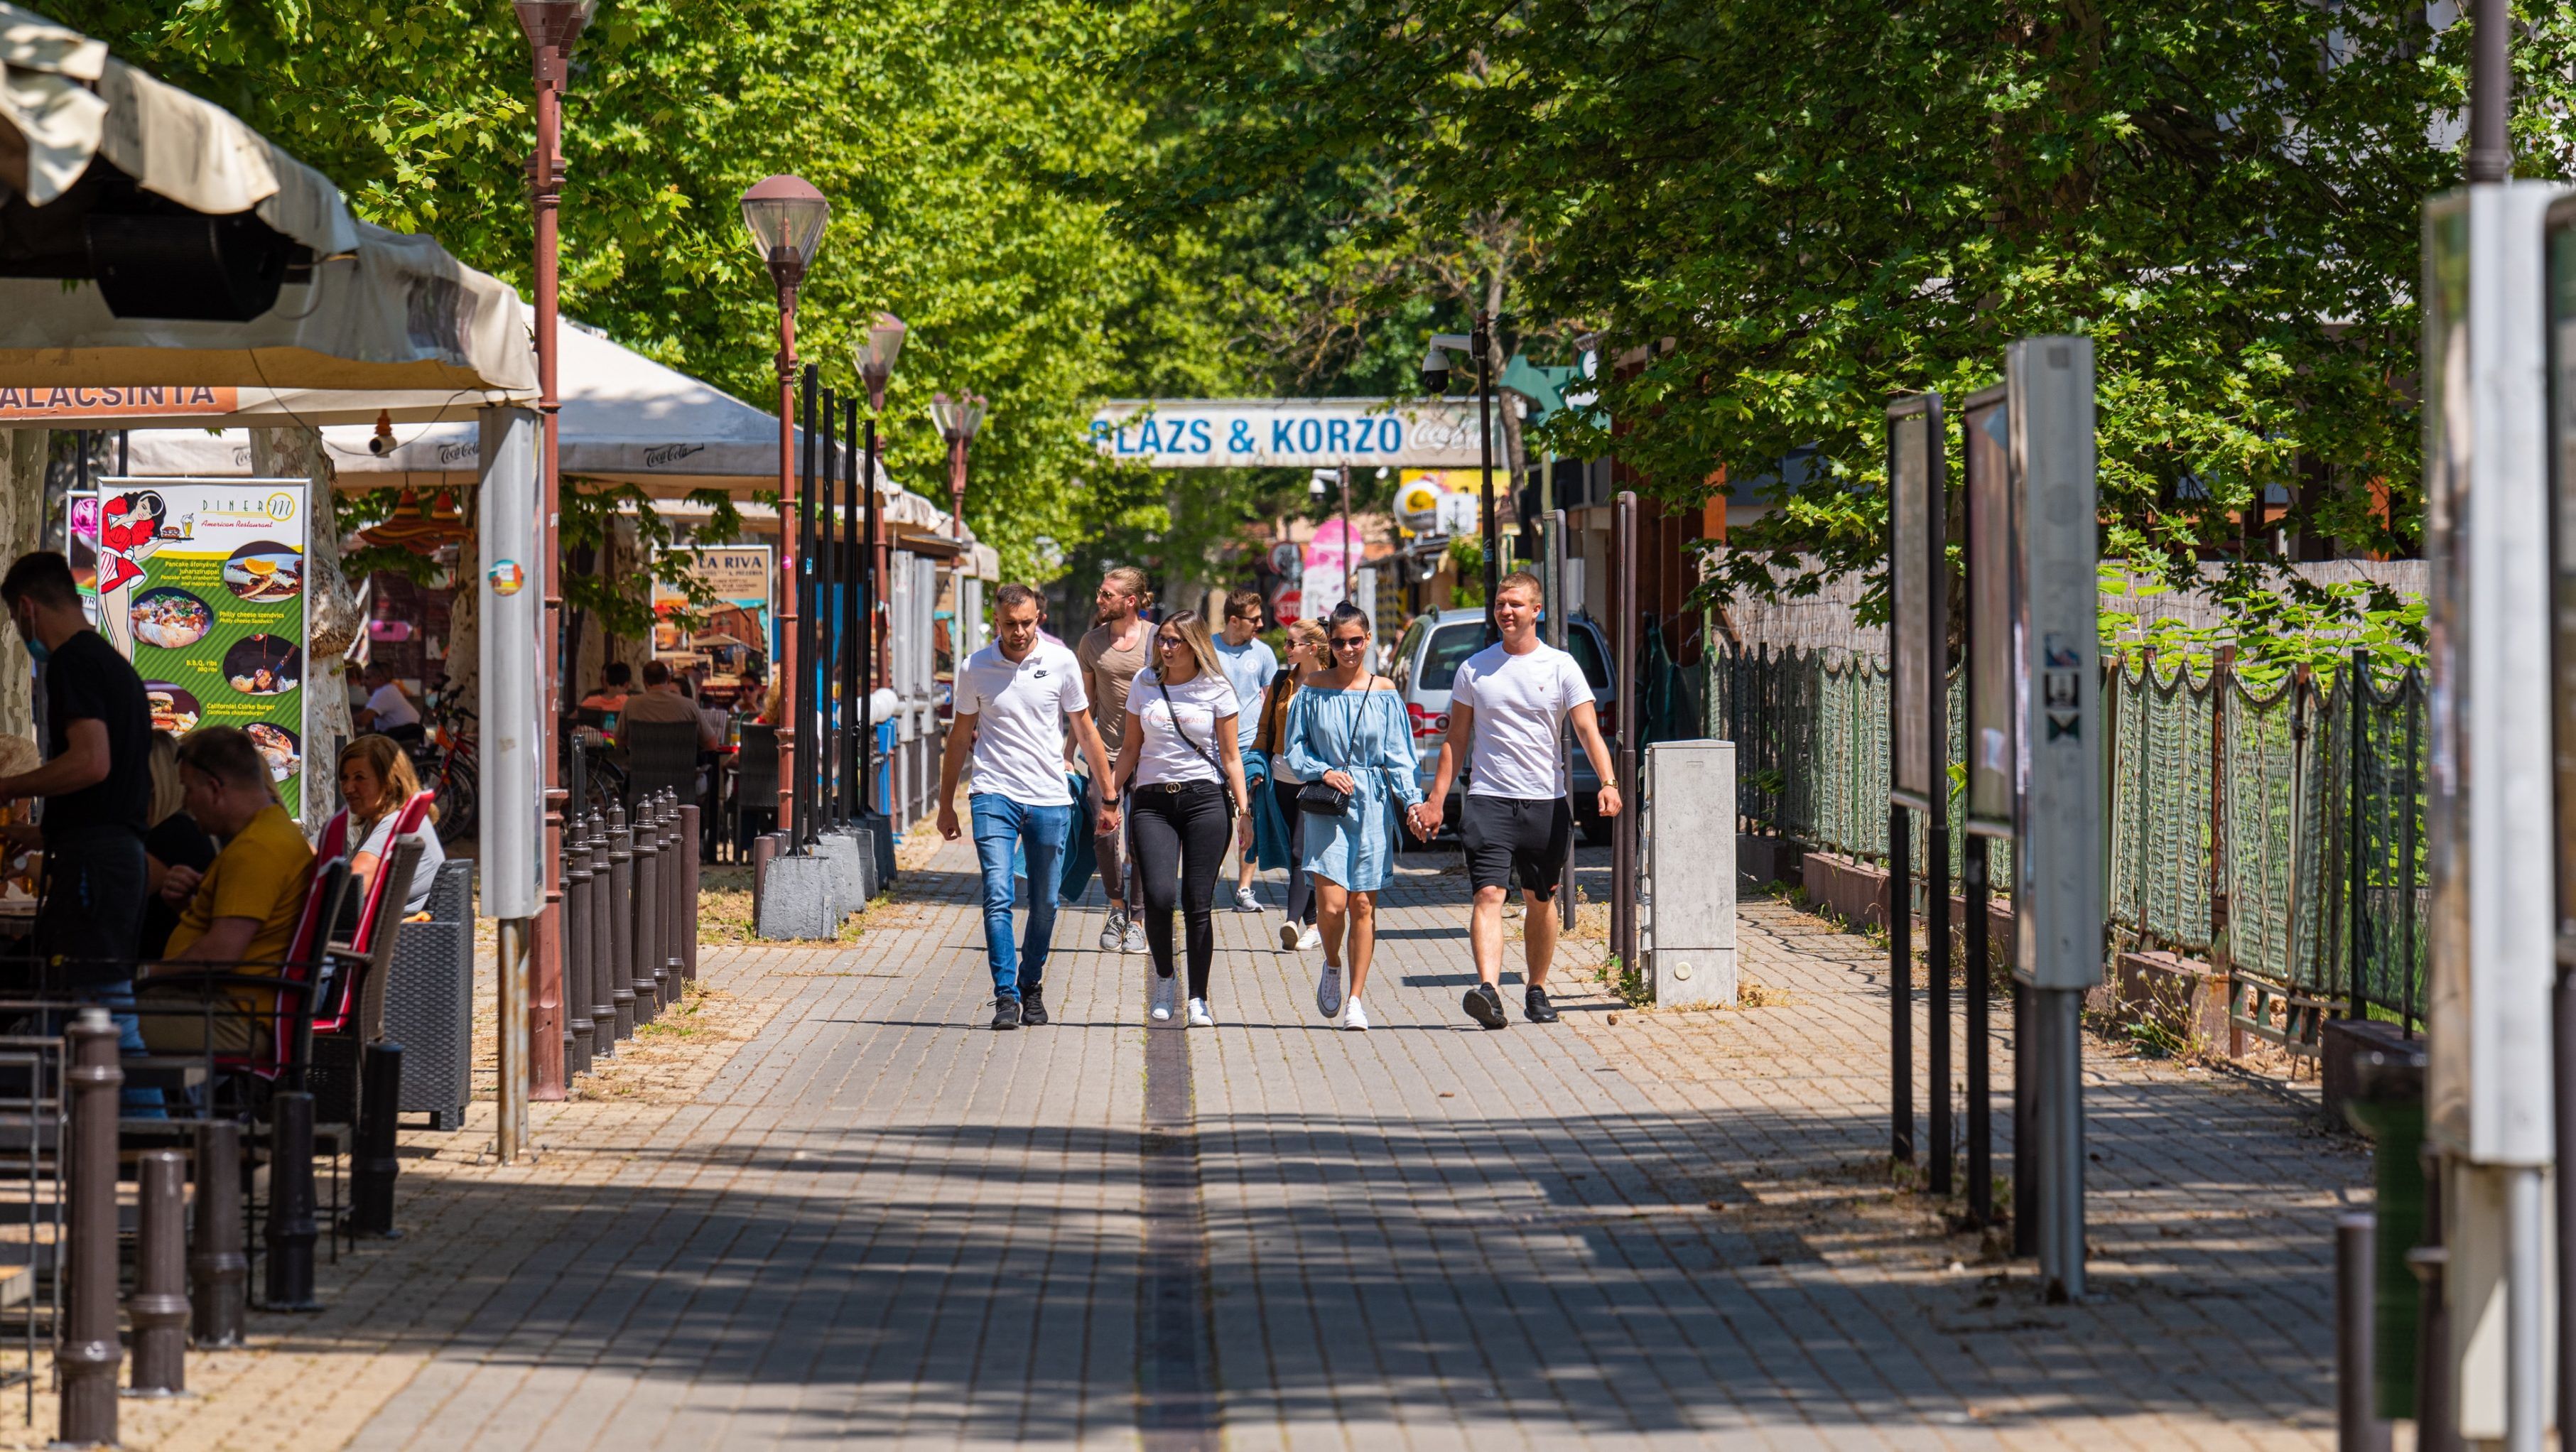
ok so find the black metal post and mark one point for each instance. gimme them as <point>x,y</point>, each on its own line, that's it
<point>647,914</point>
<point>218,1263</point>
<point>621,919</point>
<point>2491,92</point>
<point>868,635</point>
<point>679,919</point>
<point>2026,1210</point>
<point>1491,521</point>
<point>1936,960</point>
<point>2357,1429</point>
<point>378,1163</point>
<point>854,711</point>
<point>583,1029</point>
<point>689,894</point>
<point>1623,742</point>
<point>827,699</point>
<point>1900,984</point>
<point>603,937</point>
<point>88,1353</point>
<point>158,1308</point>
<point>291,1226</point>
<point>802,828</point>
<point>1981,1141</point>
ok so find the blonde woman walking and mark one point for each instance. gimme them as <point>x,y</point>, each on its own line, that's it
<point>1180,755</point>
<point>1348,736</point>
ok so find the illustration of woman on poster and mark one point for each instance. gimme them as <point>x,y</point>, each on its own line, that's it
<point>129,528</point>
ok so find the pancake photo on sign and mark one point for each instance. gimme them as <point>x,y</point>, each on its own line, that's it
<point>265,570</point>
<point>170,618</point>
<point>263,665</point>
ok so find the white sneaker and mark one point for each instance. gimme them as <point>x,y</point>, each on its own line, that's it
<point>1355,1017</point>
<point>1114,932</point>
<point>1309,939</point>
<point>1247,899</point>
<point>1328,990</point>
<point>1134,942</point>
<point>1199,1017</point>
<point>1162,1000</point>
<point>1287,937</point>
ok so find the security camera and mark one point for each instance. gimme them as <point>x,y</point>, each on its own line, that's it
<point>1435,371</point>
<point>379,445</point>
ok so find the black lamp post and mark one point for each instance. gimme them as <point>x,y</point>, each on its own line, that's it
<point>876,366</point>
<point>1435,380</point>
<point>785,217</point>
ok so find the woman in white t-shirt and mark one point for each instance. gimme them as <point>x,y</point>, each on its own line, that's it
<point>1182,779</point>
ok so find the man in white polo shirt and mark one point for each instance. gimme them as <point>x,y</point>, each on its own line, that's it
<point>1508,710</point>
<point>1014,699</point>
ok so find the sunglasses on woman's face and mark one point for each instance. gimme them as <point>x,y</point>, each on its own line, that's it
<point>1354,643</point>
<point>1167,642</point>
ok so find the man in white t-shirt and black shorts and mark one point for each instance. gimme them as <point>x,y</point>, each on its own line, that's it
<point>1508,710</point>
<point>1015,699</point>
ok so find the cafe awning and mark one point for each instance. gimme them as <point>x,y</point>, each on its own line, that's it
<point>196,251</point>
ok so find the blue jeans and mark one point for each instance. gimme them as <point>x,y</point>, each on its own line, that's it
<point>1041,834</point>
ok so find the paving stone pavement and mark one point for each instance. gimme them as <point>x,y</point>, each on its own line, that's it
<point>876,1221</point>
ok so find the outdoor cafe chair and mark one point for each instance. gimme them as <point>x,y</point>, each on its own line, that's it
<point>661,754</point>
<point>755,783</point>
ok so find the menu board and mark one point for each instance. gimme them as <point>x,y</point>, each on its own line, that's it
<point>201,584</point>
<point>729,634</point>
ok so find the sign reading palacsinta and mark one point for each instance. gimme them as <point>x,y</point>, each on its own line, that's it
<point>1288,433</point>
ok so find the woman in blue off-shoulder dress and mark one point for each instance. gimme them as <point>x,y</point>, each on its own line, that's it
<point>1347,731</point>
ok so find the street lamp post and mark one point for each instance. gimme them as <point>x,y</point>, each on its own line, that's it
<point>552,26</point>
<point>785,217</point>
<point>958,420</point>
<point>876,367</point>
<point>1435,380</point>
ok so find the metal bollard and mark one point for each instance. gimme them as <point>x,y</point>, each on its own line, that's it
<point>158,1308</point>
<point>579,1028</point>
<point>291,1228</point>
<point>603,1009</point>
<point>647,914</point>
<point>691,832</point>
<point>378,1162</point>
<point>218,1268</point>
<point>764,848</point>
<point>679,918</point>
<point>86,1359</point>
<point>2356,1430</point>
<point>621,917</point>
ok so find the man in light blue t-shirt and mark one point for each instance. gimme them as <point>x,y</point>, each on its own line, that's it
<point>1251,666</point>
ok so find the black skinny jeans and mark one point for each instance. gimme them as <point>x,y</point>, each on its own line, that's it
<point>1180,839</point>
<point>1301,888</point>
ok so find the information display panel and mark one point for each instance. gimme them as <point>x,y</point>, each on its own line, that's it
<point>1986,426</point>
<point>2561,234</point>
<point>1918,593</point>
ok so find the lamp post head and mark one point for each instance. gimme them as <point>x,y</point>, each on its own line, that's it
<point>554,23</point>
<point>785,217</point>
<point>958,418</point>
<point>875,357</point>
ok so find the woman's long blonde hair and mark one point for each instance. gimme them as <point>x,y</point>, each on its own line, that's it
<point>169,791</point>
<point>392,765</point>
<point>1194,633</point>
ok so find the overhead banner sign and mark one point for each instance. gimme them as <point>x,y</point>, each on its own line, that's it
<point>201,583</point>
<point>1304,433</point>
<point>157,400</point>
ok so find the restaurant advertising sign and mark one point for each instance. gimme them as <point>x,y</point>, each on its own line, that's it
<point>729,630</point>
<point>154,400</point>
<point>201,583</point>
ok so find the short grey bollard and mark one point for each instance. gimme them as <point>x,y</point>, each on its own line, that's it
<point>679,911</point>
<point>158,1309</point>
<point>376,1168</point>
<point>647,912</point>
<point>578,1027</point>
<point>621,916</point>
<point>2356,1430</point>
<point>218,1266</point>
<point>88,1352</point>
<point>603,1008</point>
<point>692,832</point>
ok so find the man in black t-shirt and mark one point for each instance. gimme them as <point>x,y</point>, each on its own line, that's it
<point>96,781</point>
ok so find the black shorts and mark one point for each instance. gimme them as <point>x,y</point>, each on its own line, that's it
<point>1508,836</point>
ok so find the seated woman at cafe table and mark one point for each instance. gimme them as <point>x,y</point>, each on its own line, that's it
<point>239,915</point>
<point>376,778</point>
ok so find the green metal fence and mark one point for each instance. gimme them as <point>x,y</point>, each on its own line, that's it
<point>2273,829</point>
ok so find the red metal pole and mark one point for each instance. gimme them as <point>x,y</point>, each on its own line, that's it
<point>788,613</point>
<point>545,968</point>
<point>957,485</point>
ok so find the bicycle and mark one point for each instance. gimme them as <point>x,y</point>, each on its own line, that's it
<point>448,767</point>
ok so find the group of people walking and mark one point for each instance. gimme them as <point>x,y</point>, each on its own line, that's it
<point>1156,710</point>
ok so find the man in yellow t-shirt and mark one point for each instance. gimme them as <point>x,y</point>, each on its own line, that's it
<point>239,915</point>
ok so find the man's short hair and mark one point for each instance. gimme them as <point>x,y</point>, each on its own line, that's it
<point>618,673</point>
<point>1243,605</point>
<point>43,576</point>
<point>1012,597</point>
<point>1523,580</point>
<point>1130,581</point>
<point>656,673</point>
<point>227,754</point>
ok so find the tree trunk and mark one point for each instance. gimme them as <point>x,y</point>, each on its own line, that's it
<point>331,622</point>
<point>22,528</point>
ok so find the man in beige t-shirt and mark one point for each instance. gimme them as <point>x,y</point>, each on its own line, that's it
<point>1111,653</point>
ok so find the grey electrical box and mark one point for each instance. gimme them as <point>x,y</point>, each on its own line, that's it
<point>1688,929</point>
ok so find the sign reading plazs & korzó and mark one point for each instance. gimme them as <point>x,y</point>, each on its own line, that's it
<point>1288,433</point>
